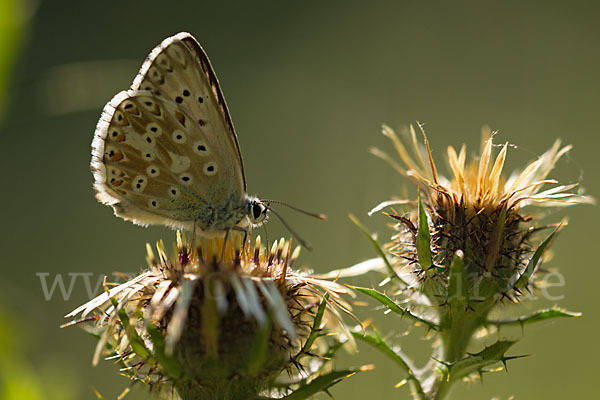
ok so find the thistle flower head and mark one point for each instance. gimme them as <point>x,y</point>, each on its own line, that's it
<point>475,215</point>
<point>458,251</point>
<point>211,322</point>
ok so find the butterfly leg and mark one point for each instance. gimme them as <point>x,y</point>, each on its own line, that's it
<point>240,229</point>
<point>224,244</point>
<point>193,242</point>
<point>266,237</point>
<point>194,233</point>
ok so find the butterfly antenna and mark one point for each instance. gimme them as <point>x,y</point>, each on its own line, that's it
<point>289,228</point>
<point>322,217</point>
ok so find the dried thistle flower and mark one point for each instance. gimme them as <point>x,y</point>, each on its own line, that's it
<point>464,247</point>
<point>214,323</point>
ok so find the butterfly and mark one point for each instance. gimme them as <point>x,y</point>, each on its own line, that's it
<point>165,151</point>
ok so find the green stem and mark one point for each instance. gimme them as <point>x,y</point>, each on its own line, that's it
<point>456,340</point>
<point>457,333</point>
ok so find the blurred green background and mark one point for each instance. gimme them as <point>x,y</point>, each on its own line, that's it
<point>308,85</point>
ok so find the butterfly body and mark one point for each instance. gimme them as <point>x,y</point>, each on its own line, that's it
<point>165,151</point>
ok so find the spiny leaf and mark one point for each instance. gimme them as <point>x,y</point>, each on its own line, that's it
<point>168,363</point>
<point>423,238</point>
<point>524,278</point>
<point>493,251</point>
<point>391,304</point>
<point>378,248</point>
<point>135,341</point>
<point>537,316</point>
<point>397,356</point>
<point>315,330</point>
<point>476,362</point>
<point>321,384</point>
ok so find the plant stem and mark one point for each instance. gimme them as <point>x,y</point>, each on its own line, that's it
<point>457,333</point>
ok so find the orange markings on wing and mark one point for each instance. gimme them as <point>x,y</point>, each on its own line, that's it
<point>180,117</point>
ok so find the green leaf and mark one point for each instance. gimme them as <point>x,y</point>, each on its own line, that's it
<point>476,362</point>
<point>135,341</point>
<point>524,278</point>
<point>168,363</point>
<point>493,250</point>
<point>378,248</point>
<point>316,328</point>
<point>389,303</point>
<point>537,316</point>
<point>325,359</point>
<point>320,384</point>
<point>396,355</point>
<point>423,238</point>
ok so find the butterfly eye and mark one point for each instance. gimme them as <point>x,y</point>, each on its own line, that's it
<point>256,210</point>
<point>259,212</point>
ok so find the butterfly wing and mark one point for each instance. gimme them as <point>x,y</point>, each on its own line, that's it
<point>165,151</point>
<point>179,70</point>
